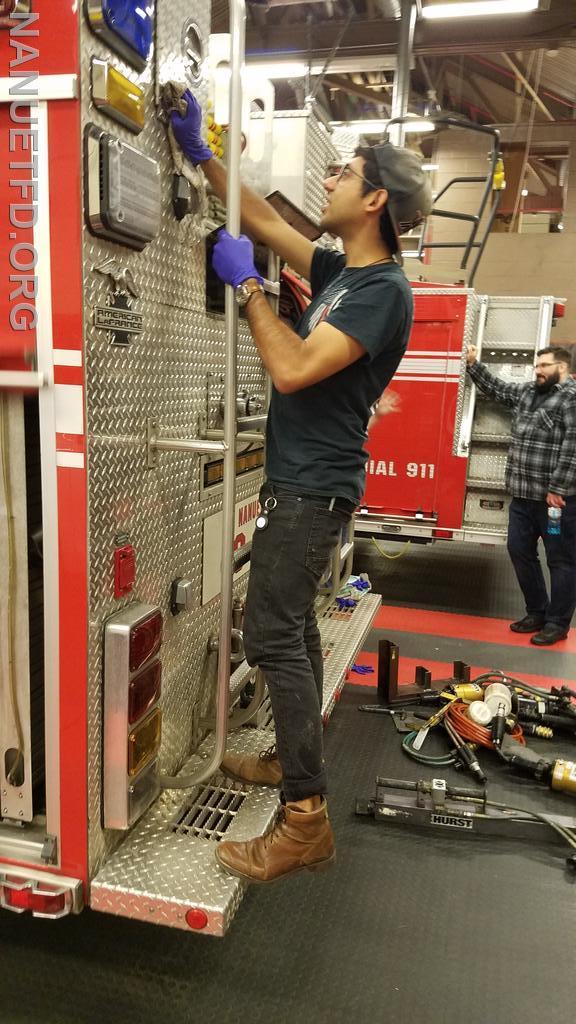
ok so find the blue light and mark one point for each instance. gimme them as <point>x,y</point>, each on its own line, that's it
<point>132,22</point>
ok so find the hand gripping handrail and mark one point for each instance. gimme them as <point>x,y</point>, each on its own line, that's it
<point>237,45</point>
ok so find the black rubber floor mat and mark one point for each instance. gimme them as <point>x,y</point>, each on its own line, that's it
<point>405,929</point>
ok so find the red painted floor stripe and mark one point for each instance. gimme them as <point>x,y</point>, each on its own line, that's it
<point>439,669</point>
<point>467,627</point>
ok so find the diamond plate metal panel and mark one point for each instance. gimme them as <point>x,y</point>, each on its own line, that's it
<point>486,464</point>
<point>491,421</point>
<point>157,875</point>
<point>512,322</point>
<point>320,152</point>
<point>162,372</point>
<point>469,334</point>
<point>486,508</point>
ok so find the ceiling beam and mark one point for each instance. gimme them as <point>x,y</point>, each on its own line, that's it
<point>529,89</point>
<point>367,93</point>
<point>451,65</point>
<point>546,29</point>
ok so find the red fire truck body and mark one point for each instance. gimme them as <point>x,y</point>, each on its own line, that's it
<point>436,460</point>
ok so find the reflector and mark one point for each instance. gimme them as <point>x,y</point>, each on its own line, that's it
<point>144,742</point>
<point>196,919</point>
<point>144,691</point>
<point>145,641</point>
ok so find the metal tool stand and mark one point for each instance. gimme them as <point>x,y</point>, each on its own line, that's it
<point>424,691</point>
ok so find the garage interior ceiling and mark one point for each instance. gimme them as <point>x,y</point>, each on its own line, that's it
<point>492,70</point>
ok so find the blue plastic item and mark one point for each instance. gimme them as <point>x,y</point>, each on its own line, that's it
<point>133,22</point>
<point>554,521</point>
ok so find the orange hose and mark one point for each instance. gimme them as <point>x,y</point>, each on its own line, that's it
<point>469,730</point>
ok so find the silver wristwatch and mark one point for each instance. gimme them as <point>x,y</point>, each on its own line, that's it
<point>244,291</point>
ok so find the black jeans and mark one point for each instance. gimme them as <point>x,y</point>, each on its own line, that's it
<point>281,635</point>
<point>528,521</point>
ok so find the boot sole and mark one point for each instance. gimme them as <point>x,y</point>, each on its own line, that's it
<point>532,629</point>
<point>319,865</point>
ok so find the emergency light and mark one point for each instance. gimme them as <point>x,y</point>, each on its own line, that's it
<point>117,96</point>
<point>127,26</point>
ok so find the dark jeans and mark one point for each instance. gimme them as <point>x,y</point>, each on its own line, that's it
<point>528,521</point>
<point>281,635</point>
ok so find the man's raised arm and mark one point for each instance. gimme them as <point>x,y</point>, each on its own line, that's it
<point>259,218</point>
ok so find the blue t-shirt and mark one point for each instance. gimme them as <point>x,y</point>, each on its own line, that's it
<point>316,436</point>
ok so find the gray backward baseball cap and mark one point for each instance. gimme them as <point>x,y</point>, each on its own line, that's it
<point>408,187</point>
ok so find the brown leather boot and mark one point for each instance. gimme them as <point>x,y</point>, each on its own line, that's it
<point>300,841</point>
<point>262,769</point>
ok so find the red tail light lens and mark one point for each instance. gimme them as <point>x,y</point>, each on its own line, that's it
<point>38,902</point>
<point>144,691</point>
<point>145,641</point>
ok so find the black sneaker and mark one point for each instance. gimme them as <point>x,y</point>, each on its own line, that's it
<point>550,634</point>
<point>529,624</point>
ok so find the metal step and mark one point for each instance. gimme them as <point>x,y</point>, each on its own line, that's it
<point>491,438</point>
<point>165,871</point>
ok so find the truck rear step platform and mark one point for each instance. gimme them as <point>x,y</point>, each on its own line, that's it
<point>165,871</point>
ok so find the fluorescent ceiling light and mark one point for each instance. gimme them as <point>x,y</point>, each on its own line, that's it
<point>476,8</point>
<point>283,67</point>
<point>430,167</point>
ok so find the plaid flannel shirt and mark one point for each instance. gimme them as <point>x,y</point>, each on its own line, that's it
<point>542,456</point>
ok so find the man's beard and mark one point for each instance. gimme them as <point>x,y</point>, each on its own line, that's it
<point>548,384</point>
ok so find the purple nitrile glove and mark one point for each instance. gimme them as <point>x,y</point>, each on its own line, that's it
<point>187,131</point>
<point>233,259</point>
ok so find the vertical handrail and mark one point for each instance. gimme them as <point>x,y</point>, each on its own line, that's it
<point>237,48</point>
<point>467,422</point>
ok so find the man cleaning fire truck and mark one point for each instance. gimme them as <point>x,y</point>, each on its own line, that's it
<point>541,476</point>
<point>327,373</point>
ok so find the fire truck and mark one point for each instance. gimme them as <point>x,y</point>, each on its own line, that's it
<point>132,407</point>
<point>131,448</point>
<point>436,463</point>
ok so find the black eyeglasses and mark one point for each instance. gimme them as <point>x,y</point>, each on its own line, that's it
<point>345,171</point>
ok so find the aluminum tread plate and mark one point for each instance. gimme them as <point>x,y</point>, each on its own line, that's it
<point>156,875</point>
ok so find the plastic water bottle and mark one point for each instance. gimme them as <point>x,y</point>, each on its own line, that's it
<point>554,521</point>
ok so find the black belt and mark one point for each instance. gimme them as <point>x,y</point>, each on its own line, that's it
<point>335,504</point>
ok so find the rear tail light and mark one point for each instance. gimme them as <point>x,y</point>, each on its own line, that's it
<point>132,718</point>
<point>42,896</point>
<point>145,641</point>
<point>144,742</point>
<point>144,692</point>
<point>558,310</point>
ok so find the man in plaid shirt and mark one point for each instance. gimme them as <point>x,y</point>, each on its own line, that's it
<point>540,473</point>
